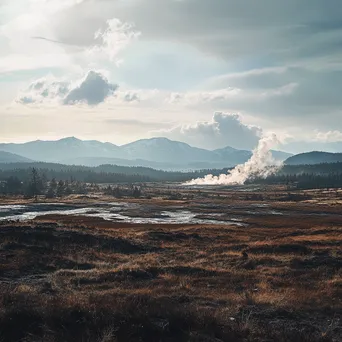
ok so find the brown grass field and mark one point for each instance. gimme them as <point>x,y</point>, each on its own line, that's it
<point>277,278</point>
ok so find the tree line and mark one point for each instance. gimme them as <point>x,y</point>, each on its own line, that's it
<point>323,168</point>
<point>36,183</point>
<point>305,181</point>
<point>16,178</point>
<point>101,174</point>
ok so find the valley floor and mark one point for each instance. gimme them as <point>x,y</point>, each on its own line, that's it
<point>277,277</point>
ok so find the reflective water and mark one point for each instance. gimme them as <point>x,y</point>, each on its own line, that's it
<point>116,211</point>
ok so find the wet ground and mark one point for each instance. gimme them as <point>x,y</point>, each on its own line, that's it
<point>253,272</point>
<point>117,211</point>
<point>212,266</point>
<point>156,212</point>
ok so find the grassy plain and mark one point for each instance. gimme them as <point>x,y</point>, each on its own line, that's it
<point>276,277</point>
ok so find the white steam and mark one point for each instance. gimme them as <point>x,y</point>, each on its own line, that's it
<point>260,165</point>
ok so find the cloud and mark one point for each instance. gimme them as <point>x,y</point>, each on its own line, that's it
<point>275,63</point>
<point>30,40</point>
<point>93,89</point>
<point>115,38</point>
<point>279,96</point>
<point>277,53</point>
<point>131,97</point>
<point>316,140</point>
<point>278,30</point>
<point>223,130</point>
<point>137,124</point>
<point>259,103</point>
<point>52,6</point>
<point>43,90</point>
<point>47,40</point>
<point>330,136</point>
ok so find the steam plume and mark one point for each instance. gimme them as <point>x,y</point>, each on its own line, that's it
<point>261,164</point>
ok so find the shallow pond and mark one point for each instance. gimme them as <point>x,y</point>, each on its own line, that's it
<point>116,211</point>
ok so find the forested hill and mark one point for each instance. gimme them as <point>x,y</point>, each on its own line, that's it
<point>314,158</point>
<point>126,174</point>
<point>99,174</point>
<point>6,157</point>
<point>319,169</point>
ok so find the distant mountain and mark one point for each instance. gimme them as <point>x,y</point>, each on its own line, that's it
<point>311,158</point>
<point>241,156</point>
<point>232,154</point>
<point>97,161</point>
<point>280,155</point>
<point>6,157</point>
<point>67,148</point>
<point>160,153</point>
<point>166,151</point>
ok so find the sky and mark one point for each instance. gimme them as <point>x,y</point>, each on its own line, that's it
<point>211,73</point>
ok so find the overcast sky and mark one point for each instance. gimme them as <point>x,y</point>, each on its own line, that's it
<point>211,73</point>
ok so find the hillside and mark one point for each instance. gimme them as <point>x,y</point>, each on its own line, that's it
<point>167,151</point>
<point>64,149</point>
<point>99,174</point>
<point>6,157</point>
<point>314,158</point>
<point>232,154</point>
<point>326,175</point>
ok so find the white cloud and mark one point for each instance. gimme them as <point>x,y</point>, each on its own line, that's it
<point>29,41</point>
<point>22,52</point>
<point>93,89</point>
<point>272,30</point>
<point>330,136</point>
<point>117,123</point>
<point>46,89</point>
<point>53,6</point>
<point>18,62</point>
<point>232,96</point>
<point>277,54</point>
<point>114,39</point>
<point>131,97</point>
<point>274,62</point>
<point>223,130</point>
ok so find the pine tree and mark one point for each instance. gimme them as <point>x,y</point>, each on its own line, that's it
<point>136,192</point>
<point>51,192</point>
<point>60,189</point>
<point>13,186</point>
<point>117,192</point>
<point>35,185</point>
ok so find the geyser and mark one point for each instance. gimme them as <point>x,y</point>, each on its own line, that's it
<point>260,165</point>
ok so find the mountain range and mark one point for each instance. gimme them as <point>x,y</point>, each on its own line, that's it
<point>160,153</point>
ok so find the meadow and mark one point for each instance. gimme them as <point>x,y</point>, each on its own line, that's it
<point>275,275</point>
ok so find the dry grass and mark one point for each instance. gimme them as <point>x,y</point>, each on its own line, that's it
<point>76,279</point>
